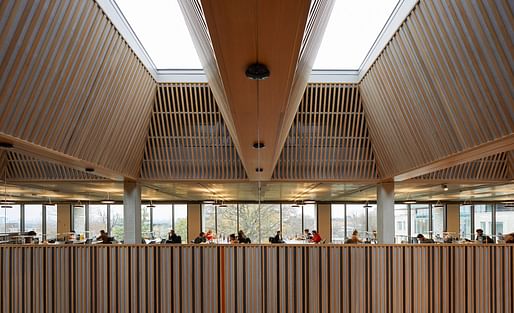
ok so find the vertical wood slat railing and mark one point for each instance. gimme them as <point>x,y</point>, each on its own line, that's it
<point>257,278</point>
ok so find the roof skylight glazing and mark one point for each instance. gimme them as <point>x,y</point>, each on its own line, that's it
<point>351,31</point>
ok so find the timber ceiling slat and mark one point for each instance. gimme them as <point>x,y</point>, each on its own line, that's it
<point>318,147</point>
<point>187,138</point>
<point>20,167</point>
<point>71,84</point>
<point>442,85</point>
<point>494,168</point>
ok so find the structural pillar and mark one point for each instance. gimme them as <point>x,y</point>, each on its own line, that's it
<point>324,221</point>
<point>194,220</point>
<point>453,218</point>
<point>132,212</point>
<point>64,217</point>
<point>385,212</point>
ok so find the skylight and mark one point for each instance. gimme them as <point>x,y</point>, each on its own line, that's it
<point>351,31</point>
<point>161,29</point>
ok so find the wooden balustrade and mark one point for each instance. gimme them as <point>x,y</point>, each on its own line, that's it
<point>257,278</point>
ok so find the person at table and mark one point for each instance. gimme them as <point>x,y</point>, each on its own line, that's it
<point>104,237</point>
<point>354,238</point>
<point>306,234</point>
<point>483,238</point>
<point>232,238</point>
<point>173,237</point>
<point>316,238</point>
<point>242,237</point>
<point>509,238</point>
<point>201,238</point>
<point>209,235</point>
<point>423,239</point>
<point>278,238</point>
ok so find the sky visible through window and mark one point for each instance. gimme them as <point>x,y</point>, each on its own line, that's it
<point>352,29</point>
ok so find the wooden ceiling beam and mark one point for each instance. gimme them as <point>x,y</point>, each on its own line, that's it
<point>230,35</point>
<point>503,144</point>
<point>50,155</point>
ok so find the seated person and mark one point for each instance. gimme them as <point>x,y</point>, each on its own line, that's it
<point>277,238</point>
<point>316,238</point>
<point>209,235</point>
<point>483,238</point>
<point>306,234</point>
<point>509,238</point>
<point>423,239</point>
<point>104,237</point>
<point>242,237</point>
<point>355,237</point>
<point>201,238</point>
<point>173,237</point>
<point>232,238</point>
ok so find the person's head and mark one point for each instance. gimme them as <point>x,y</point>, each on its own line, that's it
<point>314,232</point>
<point>232,236</point>
<point>420,236</point>
<point>278,232</point>
<point>306,230</point>
<point>172,232</point>
<point>241,232</point>
<point>355,232</point>
<point>480,231</point>
<point>509,238</point>
<point>202,234</point>
<point>209,231</point>
<point>103,232</point>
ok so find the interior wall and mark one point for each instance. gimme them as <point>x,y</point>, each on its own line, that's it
<point>63,218</point>
<point>453,217</point>
<point>324,221</point>
<point>194,220</point>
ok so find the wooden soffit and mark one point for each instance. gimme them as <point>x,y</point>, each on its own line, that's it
<point>283,35</point>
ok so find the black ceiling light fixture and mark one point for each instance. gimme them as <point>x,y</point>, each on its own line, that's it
<point>259,169</point>
<point>89,169</point>
<point>445,187</point>
<point>6,145</point>
<point>258,145</point>
<point>257,71</point>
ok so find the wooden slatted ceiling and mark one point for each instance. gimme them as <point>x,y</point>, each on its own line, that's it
<point>188,138</point>
<point>329,137</point>
<point>21,167</point>
<point>70,83</point>
<point>494,167</point>
<point>442,85</point>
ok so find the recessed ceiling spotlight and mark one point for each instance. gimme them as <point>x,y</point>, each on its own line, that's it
<point>258,145</point>
<point>259,169</point>
<point>89,169</point>
<point>445,187</point>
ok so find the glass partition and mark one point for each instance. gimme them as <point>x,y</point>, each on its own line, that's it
<point>401,221</point>
<point>483,214</point>
<point>292,221</point>
<point>162,220</point>
<point>116,222</point>
<point>51,221</point>
<point>338,218</point>
<point>438,218</point>
<point>420,219</point>
<point>356,219</point>
<point>504,219</point>
<point>33,218</point>
<point>10,218</point>
<point>226,220</point>
<point>465,222</point>
<point>97,219</point>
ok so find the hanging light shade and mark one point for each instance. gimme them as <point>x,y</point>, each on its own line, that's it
<point>438,204</point>
<point>108,200</point>
<point>151,205</point>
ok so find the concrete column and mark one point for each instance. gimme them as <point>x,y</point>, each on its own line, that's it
<point>324,221</point>
<point>132,212</point>
<point>194,220</point>
<point>385,212</point>
<point>453,218</point>
<point>63,218</point>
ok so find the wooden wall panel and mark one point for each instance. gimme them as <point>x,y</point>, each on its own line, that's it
<point>188,138</point>
<point>329,137</point>
<point>21,167</point>
<point>442,85</point>
<point>71,83</point>
<point>257,278</point>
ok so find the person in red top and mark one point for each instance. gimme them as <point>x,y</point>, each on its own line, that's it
<point>316,238</point>
<point>209,235</point>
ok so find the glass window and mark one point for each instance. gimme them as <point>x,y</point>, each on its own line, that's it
<point>372,219</point>
<point>338,231</point>
<point>227,220</point>
<point>356,219</point>
<point>116,223</point>
<point>34,218</point>
<point>146,226</point>
<point>208,218</point>
<point>465,222</point>
<point>438,221</point>
<point>97,219</point>
<point>484,218</point>
<point>400,223</point>
<point>310,219</point>
<point>504,219</point>
<point>180,222</point>
<point>79,219</point>
<point>10,218</point>
<point>267,216</point>
<point>162,220</point>
<point>292,221</point>
<point>420,220</point>
<point>51,221</point>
